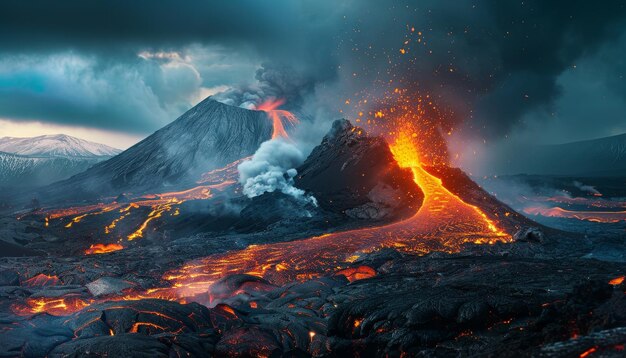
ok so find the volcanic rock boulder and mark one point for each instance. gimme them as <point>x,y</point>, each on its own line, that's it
<point>107,286</point>
<point>479,307</point>
<point>356,175</point>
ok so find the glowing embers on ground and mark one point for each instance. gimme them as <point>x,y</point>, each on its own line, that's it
<point>277,116</point>
<point>443,223</point>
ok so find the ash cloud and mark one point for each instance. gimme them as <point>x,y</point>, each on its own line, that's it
<point>272,168</point>
<point>271,81</point>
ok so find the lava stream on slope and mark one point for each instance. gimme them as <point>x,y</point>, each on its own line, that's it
<point>443,223</point>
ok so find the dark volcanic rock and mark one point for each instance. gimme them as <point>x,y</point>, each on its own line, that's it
<point>144,328</point>
<point>121,199</point>
<point>240,284</point>
<point>270,208</point>
<point>208,136</point>
<point>8,249</point>
<point>476,307</point>
<point>531,234</point>
<point>9,278</point>
<point>125,345</point>
<point>355,174</point>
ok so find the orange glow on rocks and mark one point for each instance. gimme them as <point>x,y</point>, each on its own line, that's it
<point>41,280</point>
<point>52,305</point>
<point>357,273</point>
<point>103,248</point>
<point>617,281</point>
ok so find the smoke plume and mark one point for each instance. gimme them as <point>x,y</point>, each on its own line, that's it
<point>587,188</point>
<point>272,168</point>
<point>272,80</point>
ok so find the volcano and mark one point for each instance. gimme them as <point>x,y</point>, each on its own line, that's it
<point>208,136</point>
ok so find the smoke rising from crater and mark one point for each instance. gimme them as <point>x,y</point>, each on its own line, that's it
<point>272,168</point>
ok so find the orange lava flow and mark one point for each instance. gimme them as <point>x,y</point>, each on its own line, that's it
<point>105,209</point>
<point>103,248</point>
<point>157,212</point>
<point>56,306</point>
<point>443,223</point>
<point>616,281</point>
<point>227,173</point>
<point>277,116</point>
<point>595,216</point>
<point>41,280</point>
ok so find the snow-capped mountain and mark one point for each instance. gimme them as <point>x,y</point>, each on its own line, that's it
<point>36,161</point>
<point>57,145</point>
<point>208,136</point>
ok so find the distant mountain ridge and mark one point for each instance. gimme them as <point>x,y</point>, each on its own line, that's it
<point>596,157</point>
<point>41,160</point>
<point>56,145</point>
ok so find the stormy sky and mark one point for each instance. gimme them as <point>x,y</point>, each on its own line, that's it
<point>509,71</point>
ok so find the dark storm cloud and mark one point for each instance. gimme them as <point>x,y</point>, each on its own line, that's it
<point>492,62</point>
<point>280,27</point>
<point>84,69</point>
<point>110,23</point>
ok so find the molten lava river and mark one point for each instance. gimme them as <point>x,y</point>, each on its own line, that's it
<point>444,223</point>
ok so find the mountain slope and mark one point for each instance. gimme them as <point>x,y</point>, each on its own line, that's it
<point>57,145</point>
<point>208,136</point>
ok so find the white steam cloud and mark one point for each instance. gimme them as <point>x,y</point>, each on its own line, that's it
<point>272,168</point>
<point>587,188</point>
